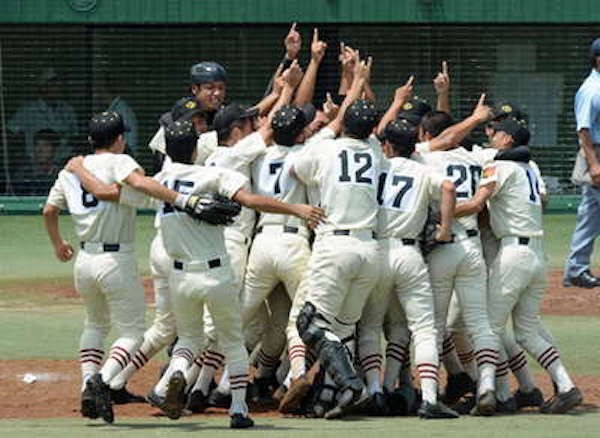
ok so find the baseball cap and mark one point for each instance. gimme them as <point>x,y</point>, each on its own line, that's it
<point>105,127</point>
<point>207,71</point>
<point>517,129</point>
<point>310,112</point>
<point>401,132</point>
<point>595,47</point>
<point>506,109</point>
<point>360,118</point>
<point>232,113</point>
<point>186,107</point>
<point>180,139</point>
<point>414,110</point>
<point>288,121</point>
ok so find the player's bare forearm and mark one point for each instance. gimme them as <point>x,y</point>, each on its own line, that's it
<point>102,191</point>
<point>306,89</point>
<point>368,92</point>
<point>477,203</point>
<point>585,140</point>
<point>355,91</point>
<point>62,249</point>
<point>267,102</point>
<point>447,205</point>
<point>151,187</point>
<point>401,96</point>
<point>265,204</point>
<point>443,102</point>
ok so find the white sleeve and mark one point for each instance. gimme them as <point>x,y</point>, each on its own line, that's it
<point>134,198</point>
<point>157,143</point>
<point>423,147</point>
<point>57,196</point>
<point>249,148</point>
<point>124,166</point>
<point>230,182</point>
<point>324,134</point>
<point>207,144</point>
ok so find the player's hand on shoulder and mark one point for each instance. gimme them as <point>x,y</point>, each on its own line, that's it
<point>64,251</point>
<point>75,164</point>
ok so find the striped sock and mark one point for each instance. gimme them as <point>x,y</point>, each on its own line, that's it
<point>371,368</point>
<point>266,364</point>
<point>519,368</point>
<point>90,360</point>
<point>428,373</point>
<point>395,356</point>
<point>487,360</point>
<point>550,360</point>
<point>297,356</point>
<point>502,382</point>
<point>238,383</point>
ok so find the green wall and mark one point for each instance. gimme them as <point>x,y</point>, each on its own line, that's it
<point>278,11</point>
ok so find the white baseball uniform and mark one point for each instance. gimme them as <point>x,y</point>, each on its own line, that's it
<point>105,271</point>
<point>459,266</point>
<point>517,274</point>
<point>405,191</point>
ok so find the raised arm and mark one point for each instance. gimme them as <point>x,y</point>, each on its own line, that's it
<point>267,102</point>
<point>348,58</point>
<point>306,90</point>
<point>453,135</point>
<point>292,43</point>
<point>441,84</point>
<point>292,77</point>
<point>368,92</point>
<point>401,96</point>
<point>360,73</point>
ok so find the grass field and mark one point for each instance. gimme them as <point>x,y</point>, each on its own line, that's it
<point>37,325</point>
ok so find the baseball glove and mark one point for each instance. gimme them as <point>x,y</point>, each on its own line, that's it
<point>212,209</point>
<point>427,239</point>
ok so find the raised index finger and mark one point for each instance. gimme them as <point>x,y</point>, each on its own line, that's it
<point>410,81</point>
<point>315,35</point>
<point>293,28</point>
<point>445,67</point>
<point>481,99</point>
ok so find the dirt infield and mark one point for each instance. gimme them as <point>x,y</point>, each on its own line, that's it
<point>55,392</point>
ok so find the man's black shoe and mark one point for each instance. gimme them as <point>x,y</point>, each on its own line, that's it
<point>585,280</point>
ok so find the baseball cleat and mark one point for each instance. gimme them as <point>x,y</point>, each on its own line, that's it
<point>486,404</point>
<point>174,402</point>
<point>101,393</point>
<point>585,280</point>
<point>377,405</point>
<point>533,398</point>
<point>219,399</point>
<point>466,405</point>
<point>265,386</point>
<point>457,386</point>
<point>439,410</point>
<point>239,421</point>
<point>401,400</point>
<point>507,406</point>
<point>197,402</point>
<point>348,399</point>
<point>88,401</point>
<point>562,402</point>
<point>123,396</point>
<point>293,398</point>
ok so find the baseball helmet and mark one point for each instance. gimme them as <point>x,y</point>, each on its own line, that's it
<point>360,118</point>
<point>505,109</point>
<point>232,113</point>
<point>288,121</point>
<point>207,71</point>
<point>105,127</point>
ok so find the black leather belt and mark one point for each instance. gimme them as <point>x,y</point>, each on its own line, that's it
<point>214,263</point>
<point>106,247</point>
<point>408,241</point>
<point>347,233</point>
<point>286,229</point>
<point>523,240</point>
<point>472,233</point>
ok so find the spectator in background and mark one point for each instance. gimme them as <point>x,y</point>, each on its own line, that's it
<point>105,100</point>
<point>586,173</point>
<point>46,111</point>
<point>36,177</point>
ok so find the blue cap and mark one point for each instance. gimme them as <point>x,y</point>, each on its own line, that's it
<point>595,47</point>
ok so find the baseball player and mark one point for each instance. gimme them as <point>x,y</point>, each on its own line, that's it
<point>162,332</point>
<point>280,249</point>
<point>202,273</point>
<point>105,270</point>
<point>241,145</point>
<point>517,275</point>
<point>405,190</point>
<point>344,262</point>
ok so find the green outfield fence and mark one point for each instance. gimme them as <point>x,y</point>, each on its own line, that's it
<point>531,52</point>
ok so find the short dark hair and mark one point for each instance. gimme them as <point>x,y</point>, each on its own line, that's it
<point>435,122</point>
<point>224,133</point>
<point>402,135</point>
<point>360,119</point>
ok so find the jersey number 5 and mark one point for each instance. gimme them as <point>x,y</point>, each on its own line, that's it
<point>87,199</point>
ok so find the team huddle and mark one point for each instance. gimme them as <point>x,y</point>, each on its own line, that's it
<point>304,242</point>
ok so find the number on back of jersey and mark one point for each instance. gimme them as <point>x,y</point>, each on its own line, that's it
<point>465,179</point>
<point>396,192</point>
<point>177,185</point>
<point>533,186</point>
<point>273,178</point>
<point>355,167</point>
